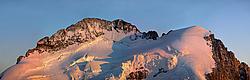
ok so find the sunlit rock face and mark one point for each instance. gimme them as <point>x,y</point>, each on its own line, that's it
<point>97,49</point>
<point>228,67</point>
<point>83,31</point>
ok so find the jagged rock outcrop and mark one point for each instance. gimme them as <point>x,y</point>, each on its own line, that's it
<point>125,26</point>
<point>83,31</point>
<point>150,35</point>
<point>138,75</point>
<point>228,67</point>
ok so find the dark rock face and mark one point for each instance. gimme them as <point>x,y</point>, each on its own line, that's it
<point>19,59</point>
<point>163,34</point>
<point>124,26</point>
<point>150,35</point>
<point>138,75</point>
<point>83,31</point>
<point>227,65</point>
<point>244,71</point>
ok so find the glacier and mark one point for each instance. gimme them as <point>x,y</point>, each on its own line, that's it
<point>182,54</point>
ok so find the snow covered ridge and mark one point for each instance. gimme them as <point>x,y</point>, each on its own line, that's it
<point>97,49</point>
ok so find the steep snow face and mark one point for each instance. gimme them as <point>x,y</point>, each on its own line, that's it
<point>196,52</point>
<point>182,54</point>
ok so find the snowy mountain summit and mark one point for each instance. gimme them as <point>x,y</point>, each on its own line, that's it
<point>97,49</point>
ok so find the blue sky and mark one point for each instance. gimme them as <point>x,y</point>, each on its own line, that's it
<point>24,22</point>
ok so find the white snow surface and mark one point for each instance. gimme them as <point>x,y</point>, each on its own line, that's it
<point>182,54</point>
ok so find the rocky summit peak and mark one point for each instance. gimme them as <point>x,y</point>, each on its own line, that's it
<point>85,30</point>
<point>98,49</point>
<point>117,24</point>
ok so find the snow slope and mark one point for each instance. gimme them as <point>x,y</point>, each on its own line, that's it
<point>182,54</point>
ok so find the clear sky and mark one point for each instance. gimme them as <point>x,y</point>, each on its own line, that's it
<point>24,22</point>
